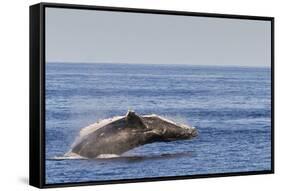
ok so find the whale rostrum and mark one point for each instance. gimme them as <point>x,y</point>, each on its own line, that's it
<point>123,133</point>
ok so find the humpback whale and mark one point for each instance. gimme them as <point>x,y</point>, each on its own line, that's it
<point>122,133</point>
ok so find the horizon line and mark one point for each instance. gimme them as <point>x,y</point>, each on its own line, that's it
<point>99,63</point>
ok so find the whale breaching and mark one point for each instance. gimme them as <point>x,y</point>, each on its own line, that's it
<point>119,134</point>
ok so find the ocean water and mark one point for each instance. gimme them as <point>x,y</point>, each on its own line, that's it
<point>230,107</point>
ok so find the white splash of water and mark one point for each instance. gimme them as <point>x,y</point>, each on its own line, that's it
<point>107,156</point>
<point>69,156</point>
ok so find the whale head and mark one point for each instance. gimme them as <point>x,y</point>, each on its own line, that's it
<point>178,132</point>
<point>167,130</point>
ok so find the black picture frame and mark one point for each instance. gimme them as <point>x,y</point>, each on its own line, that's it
<point>37,93</point>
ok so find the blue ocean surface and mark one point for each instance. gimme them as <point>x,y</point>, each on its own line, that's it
<point>230,107</point>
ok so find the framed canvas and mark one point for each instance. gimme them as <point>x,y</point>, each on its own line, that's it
<point>123,95</point>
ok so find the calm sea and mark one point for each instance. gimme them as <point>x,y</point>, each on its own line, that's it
<point>230,106</point>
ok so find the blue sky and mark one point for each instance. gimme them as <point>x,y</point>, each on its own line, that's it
<point>89,36</point>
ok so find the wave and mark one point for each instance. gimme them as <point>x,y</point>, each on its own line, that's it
<point>126,157</point>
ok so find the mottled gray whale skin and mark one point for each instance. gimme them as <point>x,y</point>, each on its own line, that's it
<point>120,134</point>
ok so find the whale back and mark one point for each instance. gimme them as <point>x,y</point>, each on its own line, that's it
<point>112,137</point>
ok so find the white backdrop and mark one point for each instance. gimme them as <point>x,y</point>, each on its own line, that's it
<point>14,67</point>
